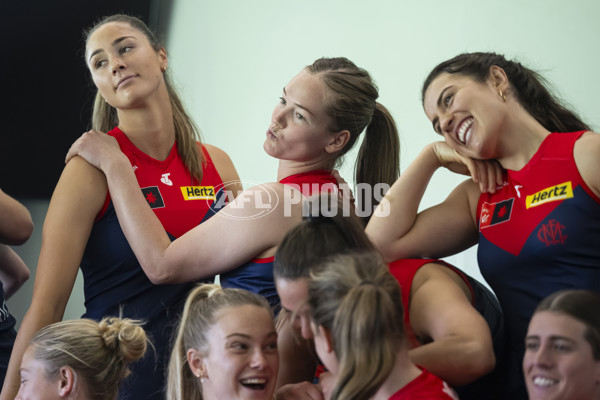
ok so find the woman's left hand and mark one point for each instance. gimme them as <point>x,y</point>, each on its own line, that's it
<point>98,149</point>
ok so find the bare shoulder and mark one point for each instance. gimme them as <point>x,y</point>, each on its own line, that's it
<point>224,167</point>
<point>586,154</point>
<point>81,183</point>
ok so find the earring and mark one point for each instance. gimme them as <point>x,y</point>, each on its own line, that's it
<point>502,95</point>
<point>163,68</point>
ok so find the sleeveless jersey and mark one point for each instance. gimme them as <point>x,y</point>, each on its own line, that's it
<point>7,335</point>
<point>539,234</point>
<point>114,282</point>
<point>426,386</point>
<point>257,274</point>
<point>482,299</point>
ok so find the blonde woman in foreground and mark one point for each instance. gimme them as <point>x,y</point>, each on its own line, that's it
<point>225,347</point>
<point>80,359</point>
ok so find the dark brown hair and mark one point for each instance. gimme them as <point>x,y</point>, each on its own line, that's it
<point>584,306</point>
<point>316,238</point>
<point>529,88</point>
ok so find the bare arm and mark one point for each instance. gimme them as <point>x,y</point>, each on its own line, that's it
<point>461,349</point>
<point>586,152</point>
<point>78,197</point>
<point>13,271</point>
<point>15,221</point>
<point>398,230</point>
<point>234,232</point>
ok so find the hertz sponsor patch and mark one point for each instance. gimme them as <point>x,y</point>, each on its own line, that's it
<point>198,192</point>
<point>558,192</point>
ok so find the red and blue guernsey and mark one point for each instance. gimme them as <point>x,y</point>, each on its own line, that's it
<point>114,282</point>
<point>486,304</point>
<point>539,234</point>
<point>426,386</point>
<point>257,274</point>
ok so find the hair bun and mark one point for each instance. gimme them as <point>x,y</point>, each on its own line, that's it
<point>124,336</point>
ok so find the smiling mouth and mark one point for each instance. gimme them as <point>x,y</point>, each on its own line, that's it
<point>464,129</point>
<point>254,383</point>
<point>544,382</point>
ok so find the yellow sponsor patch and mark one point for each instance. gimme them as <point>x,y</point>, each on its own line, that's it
<point>559,192</point>
<point>198,192</point>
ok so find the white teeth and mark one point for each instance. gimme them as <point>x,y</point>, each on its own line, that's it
<point>254,381</point>
<point>462,131</point>
<point>541,381</point>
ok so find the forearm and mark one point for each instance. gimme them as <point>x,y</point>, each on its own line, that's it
<point>16,224</point>
<point>397,212</point>
<point>144,232</point>
<point>13,271</point>
<point>457,360</point>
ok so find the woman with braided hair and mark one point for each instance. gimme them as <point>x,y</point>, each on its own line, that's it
<point>81,359</point>
<point>533,200</point>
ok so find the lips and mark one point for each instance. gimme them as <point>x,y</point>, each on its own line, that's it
<point>464,129</point>
<point>125,79</point>
<point>254,383</point>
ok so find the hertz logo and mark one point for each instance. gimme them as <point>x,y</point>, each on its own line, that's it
<point>559,192</point>
<point>198,192</point>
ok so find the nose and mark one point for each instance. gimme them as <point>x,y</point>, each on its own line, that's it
<point>258,360</point>
<point>278,117</point>
<point>543,357</point>
<point>446,122</point>
<point>305,329</point>
<point>118,65</point>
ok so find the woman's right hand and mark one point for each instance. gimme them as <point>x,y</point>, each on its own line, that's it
<point>98,149</point>
<point>489,174</point>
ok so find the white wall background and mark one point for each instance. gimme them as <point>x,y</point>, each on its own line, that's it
<point>231,59</point>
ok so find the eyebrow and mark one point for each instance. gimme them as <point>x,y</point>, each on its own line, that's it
<point>551,338</point>
<point>114,43</point>
<point>273,333</point>
<point>299,105</point>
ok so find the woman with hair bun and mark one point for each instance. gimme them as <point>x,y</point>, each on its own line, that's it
<point>81,359</point>
<point>357,320</point>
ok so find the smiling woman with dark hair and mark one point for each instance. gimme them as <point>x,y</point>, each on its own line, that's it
<point>562,347</point>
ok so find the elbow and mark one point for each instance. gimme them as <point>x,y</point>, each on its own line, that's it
<point>20,234</point>
<point>157,275</point>
<point>23,277</point>
<point>481,362</point>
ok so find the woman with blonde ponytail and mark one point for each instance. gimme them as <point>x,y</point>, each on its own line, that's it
<point>357,321</point>
<point>225,347</point>
<point>181,180</point>
<point>81,359</point>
